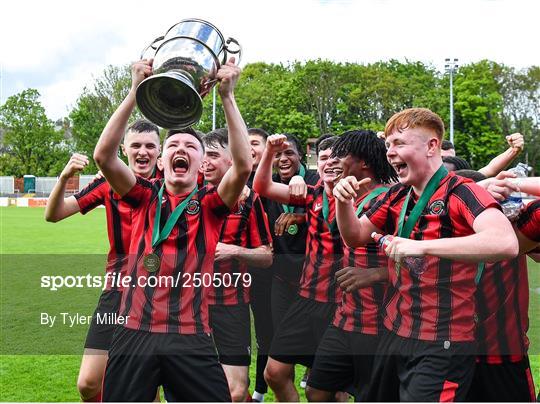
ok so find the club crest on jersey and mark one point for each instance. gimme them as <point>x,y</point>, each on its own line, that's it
<point>240,209</point>
<point>193,207</point>
<point>436,208</point>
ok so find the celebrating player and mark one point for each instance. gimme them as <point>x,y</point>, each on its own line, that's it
<point>166,339</point>
<point>244,240</point>
<point>453,225</point>
<point>141,146</point>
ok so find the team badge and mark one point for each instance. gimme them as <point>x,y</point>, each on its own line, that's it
<point>436,208</point>
<point>193,207</point>
<point>240,209</point>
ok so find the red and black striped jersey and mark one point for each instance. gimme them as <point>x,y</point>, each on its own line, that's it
<point>324,249</point>
<point>247,226</point>
<point>434,302</point>
<point>118,213</point>
<point>175,298</point>
<point>502,301</point>
<point>529,221</point>
<point>361,311</point>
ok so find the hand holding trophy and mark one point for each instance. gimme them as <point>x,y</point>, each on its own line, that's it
<point>186,61</point>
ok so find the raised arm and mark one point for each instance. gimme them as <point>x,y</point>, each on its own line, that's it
<point>117,173</point>
<point>500,162</point>
<point>58,207</point>
<point>262,182</point>
<point>236,177</point>
<point>356,232</point>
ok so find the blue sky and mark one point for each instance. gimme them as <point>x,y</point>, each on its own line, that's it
<point>58,46</point>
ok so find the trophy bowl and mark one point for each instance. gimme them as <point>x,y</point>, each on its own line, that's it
<point>186,61</point>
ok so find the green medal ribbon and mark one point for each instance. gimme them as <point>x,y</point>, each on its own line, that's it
<point>293,229</point>
<point>157,235</point>
<point>372,195</point>
<point>431,187</point>
<point>326,212</point>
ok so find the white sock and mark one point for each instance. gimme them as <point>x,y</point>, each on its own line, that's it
<point>256,396</point>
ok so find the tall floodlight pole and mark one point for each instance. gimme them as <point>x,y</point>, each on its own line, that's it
<point>214,108</point>
<point>450,67</point>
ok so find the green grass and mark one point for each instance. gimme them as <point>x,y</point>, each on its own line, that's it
<point>40,364</point>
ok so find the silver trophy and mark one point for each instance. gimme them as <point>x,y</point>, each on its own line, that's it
<point>186,61</point>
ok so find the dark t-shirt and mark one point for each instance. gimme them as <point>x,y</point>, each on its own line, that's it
<point>289,250</point>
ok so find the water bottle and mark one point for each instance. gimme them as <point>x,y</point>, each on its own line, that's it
<point>416,265</point>
<point>512,206</point>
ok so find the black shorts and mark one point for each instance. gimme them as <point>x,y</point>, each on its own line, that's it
<point>99,336</point>
<point>343,362</point>
<point>231,329</point>
<point>185,365</point>
<point>283,296</point>
<point>407,369</point>
<point>504,382</point>
<point>299,333</point>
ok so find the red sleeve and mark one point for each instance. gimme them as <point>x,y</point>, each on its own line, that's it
<point>469,200</point>
<point>93,195</point>
<point>379,211</point>
<point>142,192</point>
<point>212,202</point>
<point>529,221</point>
<point>258,227</point>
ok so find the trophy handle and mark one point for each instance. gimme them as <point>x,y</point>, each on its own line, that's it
<point>153,45</point>
<point>233,51</point>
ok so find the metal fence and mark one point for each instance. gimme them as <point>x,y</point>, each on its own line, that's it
<point>84,180</point>
<point>7,185</point>
<point>44,185</point>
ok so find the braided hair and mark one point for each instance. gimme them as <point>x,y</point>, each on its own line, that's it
<point>366,146</point>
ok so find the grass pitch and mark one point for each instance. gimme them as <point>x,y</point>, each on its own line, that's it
<point>40,364</point>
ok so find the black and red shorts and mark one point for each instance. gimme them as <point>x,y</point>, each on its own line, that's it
<point>231,328</point>
<point>185,365</point>
<point>299,333</point>
<point>502,382</point>
<point>100,335</point>
<point>407,369</point>
<point>344,362</point>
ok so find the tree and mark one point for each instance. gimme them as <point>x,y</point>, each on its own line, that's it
<point>95,106</point>
<point>30,142</point>
<point>478,108</point>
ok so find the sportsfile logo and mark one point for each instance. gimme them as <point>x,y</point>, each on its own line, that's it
<point>117,281</point>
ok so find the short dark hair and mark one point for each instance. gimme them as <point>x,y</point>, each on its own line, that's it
<point>367,146</point>
<point>189,130</point>
<point>472,174</point>
<point>326,143</point>
<point>458,162</point>
<point>141,126</point>
<point>320,139</point>
<point>218,137</point>
<point>447,145</point>
<point>259,132</point>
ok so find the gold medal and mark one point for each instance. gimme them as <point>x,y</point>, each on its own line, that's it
<point>151,262</point>
<point>293,229</point>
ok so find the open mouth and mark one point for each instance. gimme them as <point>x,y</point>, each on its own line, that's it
<point>285,167</point>
<point>399,167</point>
<point>142,161</point>
<point>180,165</point>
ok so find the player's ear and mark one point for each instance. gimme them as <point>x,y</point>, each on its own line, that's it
<point>433,144</point>
<point>123,147</point>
